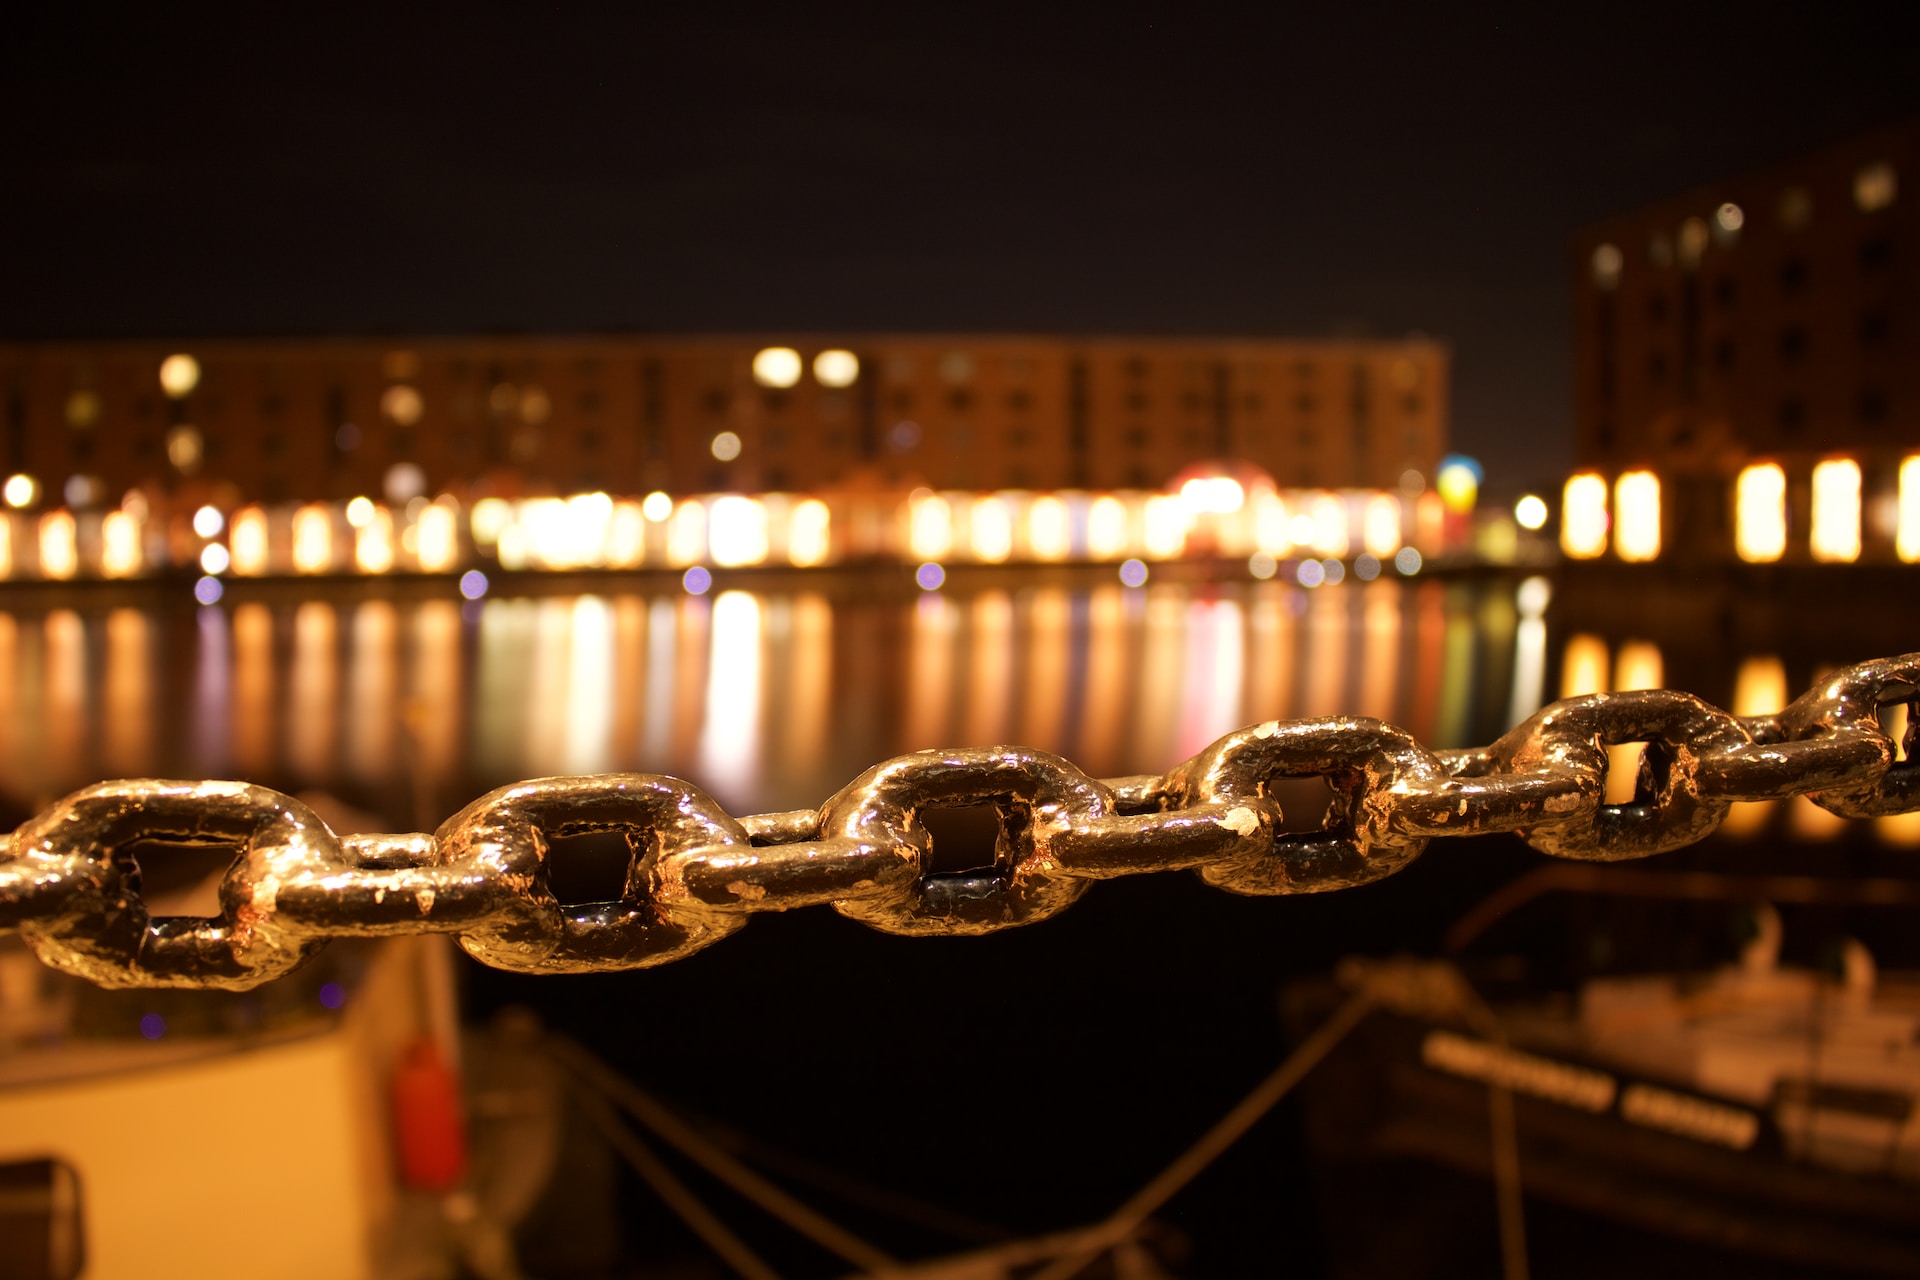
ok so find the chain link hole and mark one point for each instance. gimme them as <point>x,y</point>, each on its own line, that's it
<point>1901,723</point>
<point>1304,802</point>
<point>966,837</point>
<point>177,878</point>
<point>589,867</point>
<point>1636,772</point>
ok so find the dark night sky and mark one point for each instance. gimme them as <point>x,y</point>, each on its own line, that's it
<point>1359,170</point>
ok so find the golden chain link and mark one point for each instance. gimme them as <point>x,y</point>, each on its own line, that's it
<point>69,886</point>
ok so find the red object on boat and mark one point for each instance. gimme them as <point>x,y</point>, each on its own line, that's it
<point>428,1127</point>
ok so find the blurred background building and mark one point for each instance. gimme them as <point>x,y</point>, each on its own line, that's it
<point>1749,344</point>
<point>253,421</point>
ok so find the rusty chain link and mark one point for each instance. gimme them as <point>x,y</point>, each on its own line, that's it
<point>70,886</point>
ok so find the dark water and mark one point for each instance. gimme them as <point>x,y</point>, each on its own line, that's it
<point>1031,1079</point>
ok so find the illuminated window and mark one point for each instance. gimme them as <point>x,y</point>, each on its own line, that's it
<point>737,531</point>
<point>248,539</point>
<point>184,449</point>
<point>312,539</point>
<point>1906,537</point>
<point>1583,517</point>
<point>1875,186</point>
<point>777,367</point>
<point>59,545</point>
<point>1760,513</point>
<point>1607,263</point>
<point>930,528</point>
<point>836,368</point>
<point>990,530</point>
<point>809,533</point>
<point>402,405</point>
<point>1107,526</point>
<point>179,375</point>
<point>1049,531</point>
<point>1380,525</point>
<point>1636,509</point>
<point>1835,535</point>
<point>119,545</point>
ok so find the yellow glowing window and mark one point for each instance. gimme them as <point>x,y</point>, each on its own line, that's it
<point>1835,536</point>
<point>1636,505</point>
<point>1760,513</point>
<point>930,528</point>
<point>1583,517</point>
<point>1906,537</point>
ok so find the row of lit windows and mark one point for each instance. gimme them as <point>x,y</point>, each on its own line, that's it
<point>1633,526</point>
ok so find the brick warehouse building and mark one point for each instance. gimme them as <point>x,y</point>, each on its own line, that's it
<point>1771,321</point>
<point>289,420</point>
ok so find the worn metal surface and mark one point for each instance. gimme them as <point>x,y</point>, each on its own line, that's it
<point>70,886</point>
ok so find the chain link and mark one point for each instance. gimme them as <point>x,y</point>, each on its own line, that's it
<point>70,886</point>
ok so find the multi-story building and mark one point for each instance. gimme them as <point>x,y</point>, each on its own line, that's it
<point>283,421</point>
<point>1751,346</point>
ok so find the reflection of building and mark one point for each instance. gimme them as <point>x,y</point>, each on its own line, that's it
<point>296,420</point>
<point>1763,325</point>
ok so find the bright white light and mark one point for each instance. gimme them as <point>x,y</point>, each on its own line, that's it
<point>373,544</point>
<point>1049,530</point>
<point>990,530</point>
<point>312,540</point>
<point>436,538</point>
<point>1300,531</point>
<point>1167,521</point>
<point>59,545</point>
<point>214,559</point>
<point>179,375</point>
<point>1262,565</point>
<point>687,534</point>
<point>626,536</point>
<point>249,541</point>
<point>208,522</point>
<point>1311,573</point>
<point>1760,513</point>
<point>1835,533</point>
<point>726,446</point>
<point>929,527</point>
<point>776,367</point>
<point>656,506</point>
<point>1329,525</point>
<point>404,482</point>
<point>1216,495</point>
<point>1636,505</point>
<point>360,510</point>
<point>490,516</point>
<point>1407,561</point>
<point>1532,597</point>
<point>1107,528</point>
<point>1531,512</point>
<point>737,531</point>
<point>835,368</point>
<point>20,491</point>
<point>809,533</point>
<point>1906,535</point>
<point>119,545</point>
<point>1380,525</point>
<point>1583,517</point>
<point>1270,529</point>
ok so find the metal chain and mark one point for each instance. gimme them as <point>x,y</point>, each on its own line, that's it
<point>72,889</point>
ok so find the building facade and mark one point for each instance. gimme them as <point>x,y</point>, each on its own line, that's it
<point>1751,345</point>
<point>299,420</point>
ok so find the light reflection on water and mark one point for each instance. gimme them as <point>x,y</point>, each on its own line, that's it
<point>768,699</point>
